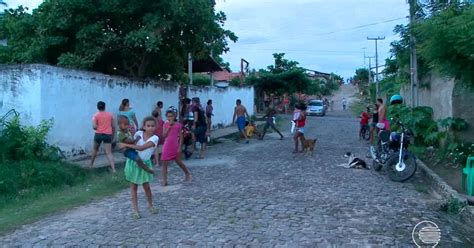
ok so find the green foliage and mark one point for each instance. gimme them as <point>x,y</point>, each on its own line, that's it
<point>333,85</point>
<point>446,41</point>
<point>133,38</point>
<point>19,178</point>
<point>26,160</point>
<point>314,87</point>
<point>459,152</point>
<point>235,82</point>
<point>455,124</point>
<point>201,80</point>
<point>279,83</point>
<point>452,206</point>
<point>20,142</point>
<point>286,77</point>
<point>443,34</point>
<point>362,75</point>
<point>372,92</point>
<point>282,64</point>
<point>390,85</point>
<point>420,121</point>
<point>42,201</point>
<point>337,78</point>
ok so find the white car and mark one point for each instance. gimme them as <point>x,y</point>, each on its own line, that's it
<point>316,107</point>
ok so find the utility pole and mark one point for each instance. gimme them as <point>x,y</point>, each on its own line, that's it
<point>364,54</point>
<point>413,59</point>
<point>376,39</point>
<point>242,62</point>
<point>190,68</point>
<point>370,68</point>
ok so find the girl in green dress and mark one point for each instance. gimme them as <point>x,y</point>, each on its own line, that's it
<point>145,146</point>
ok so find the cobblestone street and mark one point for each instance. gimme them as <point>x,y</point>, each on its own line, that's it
<point>260,194</point>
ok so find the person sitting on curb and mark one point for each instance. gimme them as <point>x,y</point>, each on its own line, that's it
<point>251,129</point>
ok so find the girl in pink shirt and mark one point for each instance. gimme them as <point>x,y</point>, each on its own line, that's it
<point>103,124</point>
<point>172,131</point>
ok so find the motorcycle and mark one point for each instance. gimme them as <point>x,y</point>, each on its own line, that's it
<point>392,152</point>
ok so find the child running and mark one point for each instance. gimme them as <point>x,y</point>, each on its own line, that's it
<point>172,131</point>
<point>270,122</point>
<point>124,135</point>
<point>145,146</point>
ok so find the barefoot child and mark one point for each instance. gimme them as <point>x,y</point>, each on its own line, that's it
<point>125,136</point>
<point>145,146</point>
<point>172,131</point>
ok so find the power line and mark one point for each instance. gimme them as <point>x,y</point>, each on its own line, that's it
<point>300,50</point>
<point>326,33</point>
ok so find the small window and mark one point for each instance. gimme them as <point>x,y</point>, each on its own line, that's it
<point>316,103</point>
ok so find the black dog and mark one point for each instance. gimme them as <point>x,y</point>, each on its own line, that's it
<point>355,163</point>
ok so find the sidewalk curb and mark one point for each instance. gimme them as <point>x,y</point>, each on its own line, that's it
<point>448,193</point>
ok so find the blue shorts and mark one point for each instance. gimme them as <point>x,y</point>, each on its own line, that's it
<point>131,154</point>
<point>241,123</point>
<point>300,129</point>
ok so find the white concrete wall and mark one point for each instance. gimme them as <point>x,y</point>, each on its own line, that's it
<point>224,101</point>
<point>70,97</point>
<point>447,98</point>
<point>20,90</point>
<point>40,92</point>
<point>436,92</point>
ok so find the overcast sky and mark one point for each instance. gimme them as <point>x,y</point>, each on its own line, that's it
<point>303,29</point>
<point>323,35</point>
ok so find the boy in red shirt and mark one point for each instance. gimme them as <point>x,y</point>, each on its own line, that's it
<point>364,121</point>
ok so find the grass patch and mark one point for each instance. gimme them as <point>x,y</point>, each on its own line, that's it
<point>452,206</point>
<point>358,107</point>
<point>34,182</point>
<point>39,201</point>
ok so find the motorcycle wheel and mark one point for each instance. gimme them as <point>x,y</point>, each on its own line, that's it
<point>401,172</point>
<point>373,153</point>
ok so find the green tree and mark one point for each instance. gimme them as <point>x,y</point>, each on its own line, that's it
<point>443,31</point>
<point>143,38</point>
<point>282,64</point>
<point>284,76</point>
<point>201,80</point>
<point>446,41</point>
<point>361,75</point>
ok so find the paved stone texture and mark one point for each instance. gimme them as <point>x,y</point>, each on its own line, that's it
<point>260,195</point>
